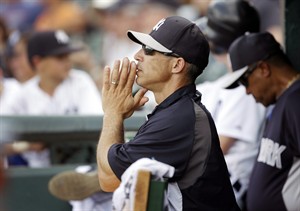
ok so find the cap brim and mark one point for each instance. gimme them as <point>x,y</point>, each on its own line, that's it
<point>231,81</point>
<point>146,39</point>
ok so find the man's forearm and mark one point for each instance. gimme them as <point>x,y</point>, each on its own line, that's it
<point>112,133</point>
<point>226,143</point>
<point>118,104</point>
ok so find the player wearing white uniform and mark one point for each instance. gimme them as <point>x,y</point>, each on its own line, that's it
<point>77,94</point>
<point>8,88</point>
<point>238,117</point>
<point>57,89</point>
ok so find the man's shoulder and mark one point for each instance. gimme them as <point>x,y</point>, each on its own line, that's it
<point>11,85</point>
<point>176,113</point>
<point>294,90</point>
<point>31,81</point>
<point>10,81</point>
<point>78,74</point>
<point>31,84</point>
<point>290,99</point>
<point>78,78</point>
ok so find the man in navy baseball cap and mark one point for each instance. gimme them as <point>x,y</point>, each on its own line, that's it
<point>49,43</point>
<point>178,36</point>
<point>179,132</point>
<point>260,65</point>
<point>244,54</point>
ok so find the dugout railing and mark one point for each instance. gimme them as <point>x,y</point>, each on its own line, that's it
<point>26,189</point>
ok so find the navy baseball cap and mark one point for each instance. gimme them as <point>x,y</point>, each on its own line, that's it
<point>178,35</point>
<point>50,43</point>
<point>247,50</point>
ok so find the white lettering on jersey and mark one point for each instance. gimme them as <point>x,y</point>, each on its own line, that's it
<point>61,37</point>
<point>270,153</point>
<point>159,24</point>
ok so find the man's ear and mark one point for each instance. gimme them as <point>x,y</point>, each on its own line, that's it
<point>265,69</point>
<point>35,61</point>
<point>178,65</point>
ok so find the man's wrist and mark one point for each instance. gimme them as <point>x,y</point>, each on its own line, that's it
<point>113,122</point>
<point>113,116</point>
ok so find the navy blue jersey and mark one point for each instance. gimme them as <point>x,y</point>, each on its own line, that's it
<point>181,133</point>
<point>275,181</point>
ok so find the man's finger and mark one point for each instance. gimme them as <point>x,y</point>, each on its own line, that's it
<point>106,78</point>
<point>139,99</point>
<point>115,73</point>
<point>131,76</point>
<point>124,72</point>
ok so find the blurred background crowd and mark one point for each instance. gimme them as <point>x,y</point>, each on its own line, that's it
<point>100,26</point>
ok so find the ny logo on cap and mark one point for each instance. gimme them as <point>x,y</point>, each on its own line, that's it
<point>159,24</point>
<point>61,37</point>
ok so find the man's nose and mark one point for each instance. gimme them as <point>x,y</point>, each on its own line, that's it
<point>139,55</point>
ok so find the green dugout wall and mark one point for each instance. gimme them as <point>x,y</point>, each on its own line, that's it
<point>292,31</point>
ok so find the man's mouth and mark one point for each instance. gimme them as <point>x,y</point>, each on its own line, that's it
<point>138,69</point>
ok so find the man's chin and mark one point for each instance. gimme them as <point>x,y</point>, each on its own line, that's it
<point>138,81</point>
